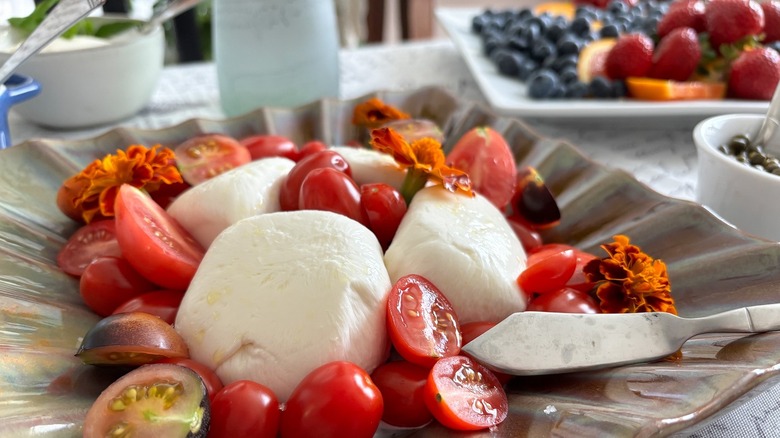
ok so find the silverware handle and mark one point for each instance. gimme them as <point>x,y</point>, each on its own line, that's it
<point>60,18</point>
<point>753,319</point>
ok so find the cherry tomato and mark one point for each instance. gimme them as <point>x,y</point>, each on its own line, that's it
<point>577,280</point>
<point>402,385</point>
<point>88,243</point>
<point>210,379</point>
<point>421,322</point>
<point>207,155</point>
<point>290,190</point>
<point>463,395</point>
<point>244,408</point>
<point>311,148</point>
<point>163,304</point>
<point>472,330</point>
<point>532,203</point>
<point>384,207</point>
<point>530,239</point>
<point>547,271</point>
<point>153,242</point>
<point>564,300</point>
<point>486,157</point>
<point>109,282</point>
<point>336,400</point>
<point>331,190</point>
<point>263,146</point>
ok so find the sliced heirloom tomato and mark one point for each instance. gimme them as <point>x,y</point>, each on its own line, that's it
<point>153,242</point>
<point>163,304</point>
<point>207,155</point>
<point>564,300</point>
<point>159,400</point>
<point>336,400</point>
<point>402,385</point>
<point>290,190</point>
<point>384,207</point>
<point>267,145</point>
<point>484,154</point>
<point>244,409</point>
<point>331,190</point>
<point>463,395</point>
<point>108,282</point>
<point>421,322</point>
<point>88,243</point>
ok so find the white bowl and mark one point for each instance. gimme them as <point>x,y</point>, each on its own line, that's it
<point>94,85</point>
<point>742,195</point>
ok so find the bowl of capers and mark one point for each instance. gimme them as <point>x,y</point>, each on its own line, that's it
<point>737,179</point>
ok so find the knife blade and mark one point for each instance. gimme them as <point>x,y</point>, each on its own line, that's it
<point>532,343</point>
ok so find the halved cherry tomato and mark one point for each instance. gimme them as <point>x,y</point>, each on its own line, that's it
<point>153,242</point>
<point>402,385</point>
<point>88,243</point>
<point>463,395</point>
<point>421,322</point>
<point>484,154</point>
<point>336,400</point>
<point>311,148</point>
<point>472,330</point>
<point>207,155</point>
<point>384,207</point>
<point>289,192</point>
<point>266,145</point>
<point>242,409</point>
<point>547,271</point>
<point>161,303</point>
<point>331,190</point>
<point>530,239</point>
<point>109,282</point>
<point>564,300</point>
<point>210,379</point>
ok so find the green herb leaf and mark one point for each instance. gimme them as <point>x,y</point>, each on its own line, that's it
<point>108,30</point>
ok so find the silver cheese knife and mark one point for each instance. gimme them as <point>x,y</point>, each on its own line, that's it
<point>531,343</point>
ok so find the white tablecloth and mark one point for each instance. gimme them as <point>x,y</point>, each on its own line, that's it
<point>663,157</point>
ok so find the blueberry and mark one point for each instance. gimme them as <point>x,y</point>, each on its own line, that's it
<point>492,43</point>
<point>619,89</point>
<point>532,32</point>
<point>580,26</point>
<point>509,64</point>
<point>541,49</point>
<point>526,69</point>
<point>609,31</point>
<point>617,6</point>
<point>569,44</point>
<point>559,91</point>
<point>555,31</point>
<point>576,90</point>
<point>525,14</point>
<point>478,23</point>
<point>518,43</point>
<point>562,62</point>
<point>543,84</point>
<point>569,75</point>
<point>600,87</point>
<point>543,21</point>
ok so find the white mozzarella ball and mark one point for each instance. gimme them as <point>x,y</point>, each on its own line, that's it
<point>370,166</point>
<point>465,247</point>
<point>279,294</point>
<point>248,190</point>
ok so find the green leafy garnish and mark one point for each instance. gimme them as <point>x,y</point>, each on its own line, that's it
<point>87,26</point>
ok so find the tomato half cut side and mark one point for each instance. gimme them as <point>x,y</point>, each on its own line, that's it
<point>207,155</point>
<point>153,242</point>
<point>463,395</point>
<point>421,322</point>
<point>88,243</point>
<point>210,379</point>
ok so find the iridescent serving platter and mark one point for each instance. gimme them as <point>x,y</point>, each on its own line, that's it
<point>45,391</point>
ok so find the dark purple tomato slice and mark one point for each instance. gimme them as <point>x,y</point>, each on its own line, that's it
<point>533,203</point>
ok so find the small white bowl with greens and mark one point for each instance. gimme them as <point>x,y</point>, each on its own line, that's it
<point>102,70</point>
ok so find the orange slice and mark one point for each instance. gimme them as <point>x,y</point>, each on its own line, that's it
<point>660,89</point>
<point>593,58</point>
<point>563,9</point>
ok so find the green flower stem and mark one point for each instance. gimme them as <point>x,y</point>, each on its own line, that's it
<point>413,182</point>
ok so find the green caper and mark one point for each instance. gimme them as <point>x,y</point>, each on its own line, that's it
<point>738,144</point>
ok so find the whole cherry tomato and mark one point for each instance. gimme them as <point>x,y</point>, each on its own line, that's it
<point>463,395</point>
<point>402,385</point>
<point>207,155</point>
<point>161,303</point>
<point>336,400</point>
<point>210,379</point>
<point>88,243</point>
<point>329,189</point>
<point>564,300</point>
<point>384,207</point>
<point>529,238</point>
<point>266,145</point>
<point>289,192</point>
<point>577,280</point>
<point>153,242</point>
<point>484,154</point>
<point>311,148</point>
<point>421,322</point>
<point>242,409</point>
<point>547,271</point>
<point>108,282</point>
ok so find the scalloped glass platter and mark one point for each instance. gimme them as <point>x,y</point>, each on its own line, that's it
<point>508,95</point>
<point>45,391</point>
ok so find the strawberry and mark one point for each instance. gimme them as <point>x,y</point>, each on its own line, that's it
<point>682,13</point>
<point>632,55</point>
<point>676,56</point>
<point>755,74</point>
<point>729,21</point>
<point>771,20</point>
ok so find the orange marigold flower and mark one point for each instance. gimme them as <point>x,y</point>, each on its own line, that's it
<point>629,281</point>
<point>374,113</point>
<point>90,194</point>
<point>424,159</point>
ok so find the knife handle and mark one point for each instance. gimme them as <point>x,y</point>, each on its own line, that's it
<point>753,319</point>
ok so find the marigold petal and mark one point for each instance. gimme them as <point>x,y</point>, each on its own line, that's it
<point>387,140</point>
<point>374,113</point>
